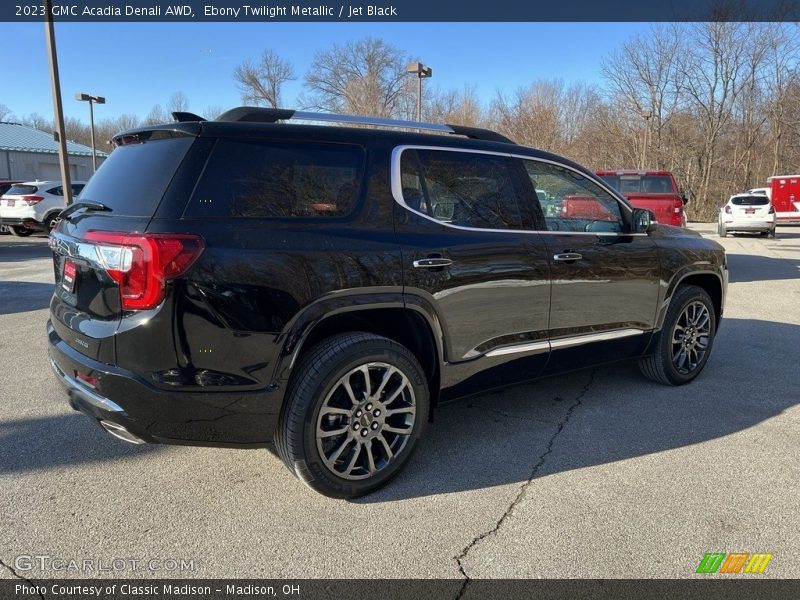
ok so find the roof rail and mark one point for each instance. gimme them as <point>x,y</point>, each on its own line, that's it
<point>273,115</point>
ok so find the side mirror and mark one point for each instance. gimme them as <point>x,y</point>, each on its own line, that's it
<point>643,221</point>
<point>684,198</point>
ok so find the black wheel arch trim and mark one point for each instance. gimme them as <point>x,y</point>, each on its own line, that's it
<point>680,276</point>
<point>295,336</point>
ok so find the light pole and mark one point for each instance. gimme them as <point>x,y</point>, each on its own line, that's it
<point>646,115</point>
<point>55,88</point>
<point>421,71</point>
<point>92,100</point>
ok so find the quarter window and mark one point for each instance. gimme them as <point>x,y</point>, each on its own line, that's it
<point>459,188</point>
<point>258,179</point>
<point>572,202</point>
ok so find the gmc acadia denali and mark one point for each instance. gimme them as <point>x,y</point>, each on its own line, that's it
<point>248,281</point>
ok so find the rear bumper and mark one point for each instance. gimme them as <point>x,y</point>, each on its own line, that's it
<point>749,226</point>
<point>21,222</point>
<point>147,414</point>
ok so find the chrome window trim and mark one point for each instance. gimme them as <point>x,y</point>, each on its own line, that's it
<point>566,342</point>
<point>397,191</point>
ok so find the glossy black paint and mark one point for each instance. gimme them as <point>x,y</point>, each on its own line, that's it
<point>211,364</point>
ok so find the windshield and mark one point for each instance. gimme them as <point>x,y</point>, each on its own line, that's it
<point>133,179</point>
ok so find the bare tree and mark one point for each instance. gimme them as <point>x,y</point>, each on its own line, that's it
<point>261,82</point>
<point>156,116</point>
<point>712,68</point>
<point>364,77</point>
<point>178,102</point>
<point>5,113</point>
<point>460,107</point>
<point>643,77</point>
<point>37,121</point>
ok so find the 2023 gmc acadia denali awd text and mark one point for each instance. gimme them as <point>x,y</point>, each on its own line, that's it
<point>247,280</point>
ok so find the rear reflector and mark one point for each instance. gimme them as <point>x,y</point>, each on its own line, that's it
<point>141,264</point>
<point>88,380</point>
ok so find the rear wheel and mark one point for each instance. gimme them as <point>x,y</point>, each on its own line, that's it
<point>683,345</point>
<point>771,233</point>
<point>20,231</point>
<point>355,408</point>
<point>721,231</point>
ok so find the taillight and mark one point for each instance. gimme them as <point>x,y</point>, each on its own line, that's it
<point>728,209</point>
<point>31,200</point>
<point>771,209</point>
<point>141,264</point>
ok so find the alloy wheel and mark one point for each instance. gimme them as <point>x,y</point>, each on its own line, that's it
<point>690,337</point>
<point>366,420</point>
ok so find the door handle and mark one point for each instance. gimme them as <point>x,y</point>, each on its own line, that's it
<point>432,263</point>
<point>567,256</point>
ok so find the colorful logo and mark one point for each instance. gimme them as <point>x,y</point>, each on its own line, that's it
<point>734,562</point>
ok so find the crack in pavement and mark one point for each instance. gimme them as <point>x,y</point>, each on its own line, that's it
<point>523,488</point>
<point>11,569</point>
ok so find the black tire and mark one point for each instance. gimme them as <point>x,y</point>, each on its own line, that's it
<point>764,233</point>
<point>317,376</point>
<point>660,366</point>
<point>772,233</point>
<point>20,231</point>
<point>721,231</point>
<point>49,222</point>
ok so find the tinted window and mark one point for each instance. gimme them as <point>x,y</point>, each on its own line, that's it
<point>750,201</point>
<point>269,179</point>
<point>470,190</point>
<point>133,179</point>
<point>76,188</point>
<point>56,191</point>
<point>571,201</point>
<point>21,190</point>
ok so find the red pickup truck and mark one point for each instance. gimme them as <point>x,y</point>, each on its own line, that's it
<point>654,190</point>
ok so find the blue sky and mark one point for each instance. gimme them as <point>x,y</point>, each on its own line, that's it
<point>137,65</point>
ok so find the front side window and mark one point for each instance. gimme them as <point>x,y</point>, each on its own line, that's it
<point>459,188</point>
<point>258,179</point>
<point>571,202</point>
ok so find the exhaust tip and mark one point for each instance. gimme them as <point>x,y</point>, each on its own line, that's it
<point>119,432</point>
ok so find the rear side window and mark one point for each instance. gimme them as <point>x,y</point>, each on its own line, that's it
<point>133,179</point>
<point>466,189</point>
<point>751,200</point>
<point>258,179</point>
<point>21,190</point>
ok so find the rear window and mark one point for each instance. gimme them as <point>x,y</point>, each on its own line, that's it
<point>21,190</point>
<point>756,200</point>
<point>257,179</point>
<point>133,179</point>
<point>640,184</point>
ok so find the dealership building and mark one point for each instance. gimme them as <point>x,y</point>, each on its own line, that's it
<point>27,154</point>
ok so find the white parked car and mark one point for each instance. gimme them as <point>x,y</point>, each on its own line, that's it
<point>34,205</point>
<point>747,212</point>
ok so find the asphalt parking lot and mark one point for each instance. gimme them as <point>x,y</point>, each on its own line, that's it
<point>598,474</point>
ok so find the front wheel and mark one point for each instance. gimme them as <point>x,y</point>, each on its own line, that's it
<point>355,408</point>
<point>683,345</point>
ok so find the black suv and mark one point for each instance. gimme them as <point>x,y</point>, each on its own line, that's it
<point>246,280</point>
